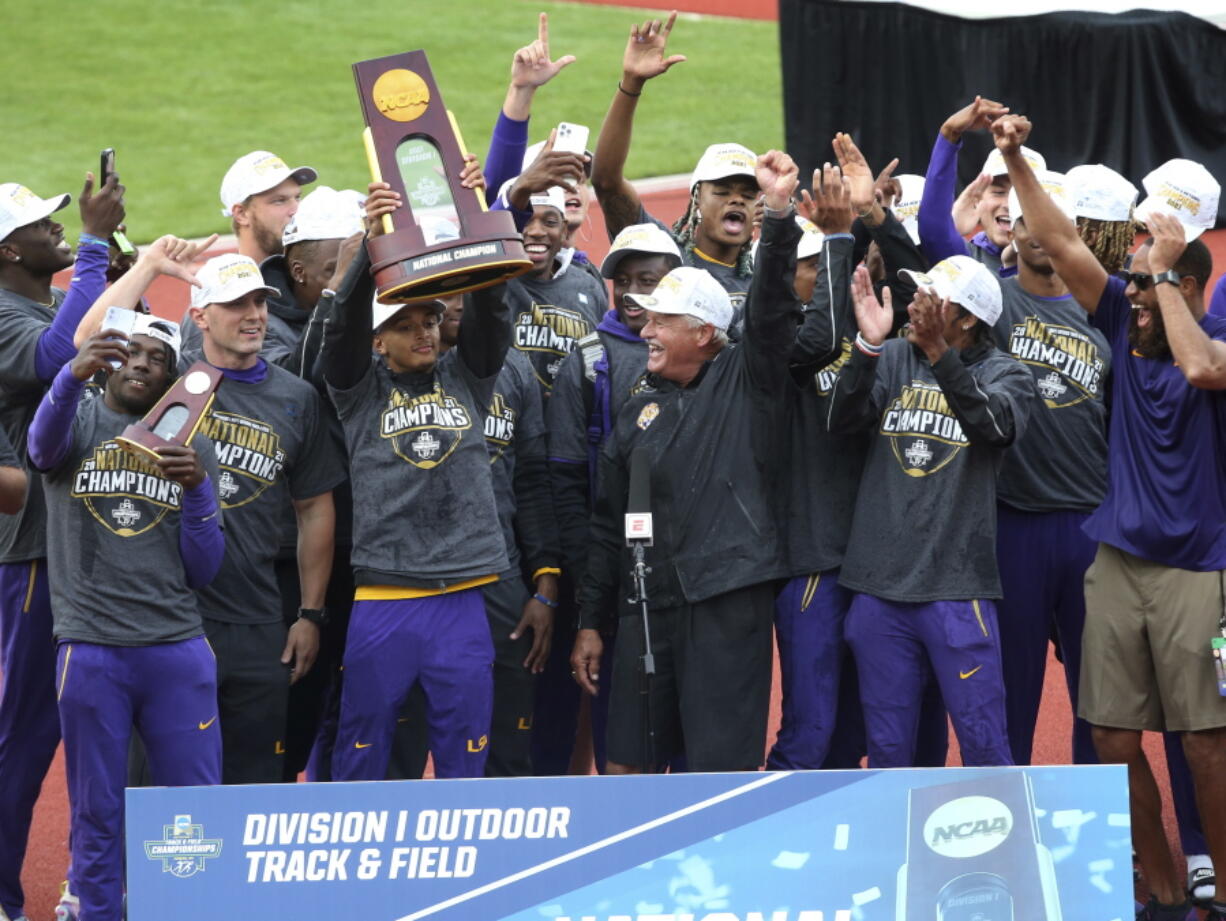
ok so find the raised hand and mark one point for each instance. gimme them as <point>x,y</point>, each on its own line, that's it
<point>778,176</point>
<point>872,316</point>
<point>173,256</point>
<point>1169,241</point>
<point>927,331</point>
<point>97,353</point>
<point>977,116</point>
<point>856,170</point>
<point>1010,132</point>
<point>531,66</point>
<point>381,201</point>
<point>102,211</point>
<point>887,188</point>
<point>829,206</point>
<point>644,57</point>
<point>551,167</point>
<point>966,218</point>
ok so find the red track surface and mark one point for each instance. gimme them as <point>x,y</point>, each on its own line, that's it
<point>47,856</point>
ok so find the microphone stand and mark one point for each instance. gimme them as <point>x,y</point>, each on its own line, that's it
<point>647,660</point>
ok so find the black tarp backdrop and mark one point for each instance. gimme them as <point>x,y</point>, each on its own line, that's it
<point>1130,90</point>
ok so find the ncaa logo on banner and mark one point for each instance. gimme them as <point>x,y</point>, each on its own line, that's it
<point>183,849</point>
<point>968,826</point>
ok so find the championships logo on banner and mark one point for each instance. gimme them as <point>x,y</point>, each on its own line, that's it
<point>960,844</point>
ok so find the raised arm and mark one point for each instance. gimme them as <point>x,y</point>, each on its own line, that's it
<point>643,60</point>
<point>531,68</point>
<point>771,308</point>
<point>939,237</point>
<point>1072,259</point>
<point>1201,359</point>
<point>819,341</point>
<point>852,407</point>
<point>168,256</point>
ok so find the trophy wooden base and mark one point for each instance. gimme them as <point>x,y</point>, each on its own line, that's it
<point>493,255</point>
<point>174,419</point>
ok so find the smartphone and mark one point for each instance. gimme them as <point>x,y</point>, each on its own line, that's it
<point>119,320</point>
<point>106,166</point>
<point>571,138</point>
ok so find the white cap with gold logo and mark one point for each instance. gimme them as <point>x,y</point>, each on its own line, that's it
<point>258,172</point>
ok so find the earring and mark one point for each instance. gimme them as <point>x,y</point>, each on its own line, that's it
<point>966,328</point>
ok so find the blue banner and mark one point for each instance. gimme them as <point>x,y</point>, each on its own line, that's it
<point>951,844</point>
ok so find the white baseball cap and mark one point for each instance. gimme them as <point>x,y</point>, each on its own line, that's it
<point>19,207</point>
<point>1055,185</point>
<point>1100,193</point>
<point>994,165</point>
<point>1186,191</point>
<point>691,292</point>
<point>227,278</point>
<point>258,172</point>
<point>906,205</point>
<point>719,161</point>
<point>552,197</point>
<point>638,240</point>
<point>380,313</point>
<point>154,327</point>
<point>811,239</point>
<point>325,214</point>
<point>966,283</point>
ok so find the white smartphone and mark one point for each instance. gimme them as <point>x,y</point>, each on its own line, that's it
<point>119,320</point>
<point>571,138</point>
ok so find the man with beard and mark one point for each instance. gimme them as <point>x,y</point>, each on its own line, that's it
<point>129,540</point>
<point>38,322</point>
<point>939,236</point>
<point>1154,594</point>
<point>716,231</point>
<point>595,380</point>
<point>260,194</point>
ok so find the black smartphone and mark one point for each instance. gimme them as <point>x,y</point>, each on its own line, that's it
<point>106,165</point>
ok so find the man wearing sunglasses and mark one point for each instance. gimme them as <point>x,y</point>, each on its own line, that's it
<point>1154,595</point>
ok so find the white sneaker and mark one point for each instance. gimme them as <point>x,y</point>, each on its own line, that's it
<point>69,907</point>
<point>1202,886</point>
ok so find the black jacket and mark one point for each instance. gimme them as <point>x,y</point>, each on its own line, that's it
<point>716,449</point>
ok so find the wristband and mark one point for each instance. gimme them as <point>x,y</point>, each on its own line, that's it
<point>781,213</point>
<point>317,616</point>
<point>88,239</point>
<point>627,92</point>
<point>545,601</point>
<point>872,351</point>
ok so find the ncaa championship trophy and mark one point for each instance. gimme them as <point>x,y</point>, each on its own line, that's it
<point>176,416</point>
<point>447,241</point>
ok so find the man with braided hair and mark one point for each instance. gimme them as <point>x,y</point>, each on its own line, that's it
<point>716,231</point>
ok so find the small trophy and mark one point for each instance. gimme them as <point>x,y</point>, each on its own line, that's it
<point>446,242</point>
<point>176,416</point>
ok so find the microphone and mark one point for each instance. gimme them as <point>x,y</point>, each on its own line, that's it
<point>638,505</point>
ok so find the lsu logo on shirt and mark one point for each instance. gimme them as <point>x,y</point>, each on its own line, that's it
<point>548,334</point>
<point>825,378</point>
<point>1068,365</point>
<point>124,492</point>
<point>424,430</point>
<point>249,455</point>
<point>924,434</point>
<point>499,426</point>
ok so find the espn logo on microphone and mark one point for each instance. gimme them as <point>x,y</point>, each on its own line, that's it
<point>638,526</point>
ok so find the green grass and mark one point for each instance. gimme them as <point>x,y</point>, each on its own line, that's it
<point>180,88</point>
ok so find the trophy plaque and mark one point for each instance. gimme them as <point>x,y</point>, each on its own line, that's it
<point>442,240</point>
<point>175,418</point>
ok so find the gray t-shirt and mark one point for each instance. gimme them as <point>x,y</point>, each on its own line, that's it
<point>1061,461</point>
<point>549,315</point>
<point>514,427</point>
<point>8,457</point>
<point>925,521</point>
<point>424,513</point>
<point>272,448</point>
<point>22,536</point>
<point>113,539</point>
<point>568,412</point>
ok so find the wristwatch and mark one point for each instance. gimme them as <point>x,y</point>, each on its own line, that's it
<point>1170,276</point>
<point>317,616</point>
